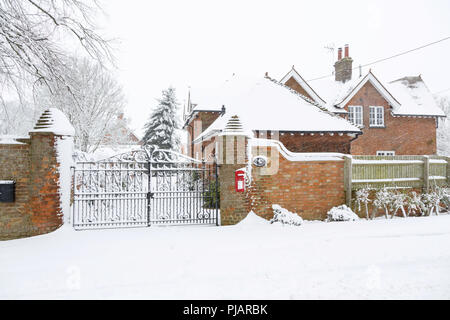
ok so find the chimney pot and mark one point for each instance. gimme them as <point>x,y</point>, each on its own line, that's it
<point>343,67</point>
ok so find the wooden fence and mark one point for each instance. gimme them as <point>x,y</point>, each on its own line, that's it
<point>419,172</point>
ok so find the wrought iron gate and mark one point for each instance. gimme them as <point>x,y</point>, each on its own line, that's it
<point>144,187</point>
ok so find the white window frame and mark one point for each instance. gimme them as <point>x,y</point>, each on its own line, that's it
<point>385,153</point>
<point>374,111</point>
<point>352,112</point>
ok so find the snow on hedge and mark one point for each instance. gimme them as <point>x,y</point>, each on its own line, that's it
<point>341,213</point>
<point>284,216</point>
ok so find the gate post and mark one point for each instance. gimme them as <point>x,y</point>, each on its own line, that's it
<point>348,168</point>
<point>232,156</point>
<point>51,148</point>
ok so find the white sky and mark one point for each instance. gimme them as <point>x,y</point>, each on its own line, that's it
<point>201,43</point>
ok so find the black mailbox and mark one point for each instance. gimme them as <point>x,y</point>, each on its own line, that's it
<point>7,190</point>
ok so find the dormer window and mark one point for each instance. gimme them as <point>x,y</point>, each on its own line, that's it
<point>376,118</point>
<point>355,115</point>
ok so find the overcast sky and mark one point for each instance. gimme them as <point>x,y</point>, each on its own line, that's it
<point>202,43</point>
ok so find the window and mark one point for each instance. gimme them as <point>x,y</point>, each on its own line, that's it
<point>385,153</point>
<point>376,118</point>
<point>355,115</point>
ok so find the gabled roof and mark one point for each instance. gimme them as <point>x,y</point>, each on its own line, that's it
<point>408,96</point>
<point>301,82</point>
<point>265,104</point>
<point>297,77</point>
<point>370,77</point>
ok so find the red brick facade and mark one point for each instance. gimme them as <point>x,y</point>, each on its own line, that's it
<point>297,142</point>
<point>308,188</point>
<point>293,84</point>
<point>201,121</point>
<point>34,167</point>
<point>404,135</point>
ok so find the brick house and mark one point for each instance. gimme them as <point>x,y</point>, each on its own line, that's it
<point>397,118</point>
<point>268,109</point>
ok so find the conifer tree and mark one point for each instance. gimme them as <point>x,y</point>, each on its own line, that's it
<point>160,130</point>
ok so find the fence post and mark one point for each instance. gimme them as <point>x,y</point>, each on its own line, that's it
<point>448,170</point>
<point>348,180</point>
<point>426,173</point>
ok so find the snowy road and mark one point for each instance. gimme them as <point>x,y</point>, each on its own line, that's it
<point>401,258</point>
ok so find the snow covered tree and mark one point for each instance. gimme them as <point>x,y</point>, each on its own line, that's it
<point>35,36</point>
<point>35,33</point>
<point>160,130</point>
<point>93,104</point>
<point>443,132</point>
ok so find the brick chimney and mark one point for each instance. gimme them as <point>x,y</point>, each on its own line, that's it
<point>343,67</point>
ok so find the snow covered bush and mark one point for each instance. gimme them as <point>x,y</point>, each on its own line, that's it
<point>397,202</point>
<point>341,213</point>
<point>284,216</point>
<point>362,197</point>
<point>414,204</point>
<point>431,201</point>
<point>382,201</point>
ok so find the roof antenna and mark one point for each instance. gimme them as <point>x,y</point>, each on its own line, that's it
<point>331,47</point>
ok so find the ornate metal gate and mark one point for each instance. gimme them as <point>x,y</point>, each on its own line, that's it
<point>144,187</point>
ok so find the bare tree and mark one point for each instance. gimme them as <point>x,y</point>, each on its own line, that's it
<point>93,104</point>
<point>31,33</point>
<point>33,38</point>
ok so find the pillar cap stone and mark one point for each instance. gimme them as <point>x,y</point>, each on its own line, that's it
<point>234,127</point>
<point>54,121</point>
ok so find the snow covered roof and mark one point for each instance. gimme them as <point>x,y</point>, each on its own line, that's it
<point>264,104</point>
<point>54,121</point>
<point>407,96</point>
<point>415,97</point>
<point>338,94</point>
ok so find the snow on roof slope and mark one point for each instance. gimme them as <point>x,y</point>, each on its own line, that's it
<point>408,96</point>
<point>55,121</point>
<point>264,104</point>
<point>334,92</point>
<point>415,97</point>
<point>206,99</point>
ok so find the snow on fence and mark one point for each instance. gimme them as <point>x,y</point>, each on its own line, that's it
<point>395,172</point>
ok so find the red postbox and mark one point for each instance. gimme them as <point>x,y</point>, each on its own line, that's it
<point>239,180</point>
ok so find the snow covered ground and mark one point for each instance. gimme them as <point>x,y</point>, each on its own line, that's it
<point>386,259</point>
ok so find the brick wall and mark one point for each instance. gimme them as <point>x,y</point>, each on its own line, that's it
<point>308,188</point>
<point>15,220</point>
<point>34,167</point>
<point>297,142</point>
<point>404,135</point>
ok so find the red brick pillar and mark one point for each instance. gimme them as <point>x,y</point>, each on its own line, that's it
<point>45,202</point>
<point>232,156</point>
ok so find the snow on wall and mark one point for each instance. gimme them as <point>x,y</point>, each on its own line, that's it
<point>55,121</point>
<point>64,152</point>
<point>294,156</point>
<point>8,139</point>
